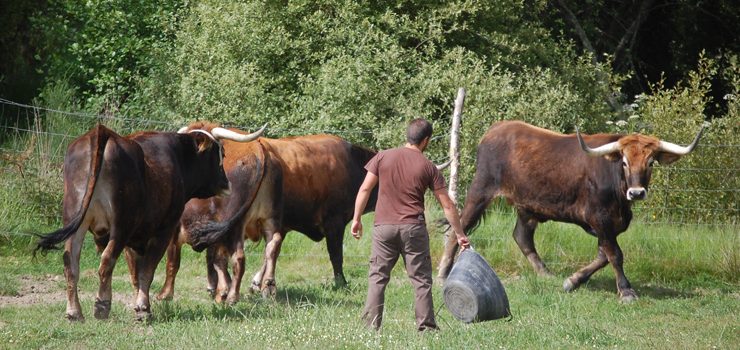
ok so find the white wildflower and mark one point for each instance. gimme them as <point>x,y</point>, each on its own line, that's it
<point>729,97</point>
<point>634,116</point>
<point>621,123</point>
<point>609,122</point>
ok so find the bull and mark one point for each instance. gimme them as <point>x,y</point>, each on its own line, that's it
<point>305,183</point>
<point>129,192</point>
<point>591,181</point>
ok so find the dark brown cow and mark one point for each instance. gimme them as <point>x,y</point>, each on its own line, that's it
<point>550,176</point>
<point>130,192</point>
<point>307,184</point>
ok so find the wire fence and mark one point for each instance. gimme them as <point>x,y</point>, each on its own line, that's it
<point>33,142</point>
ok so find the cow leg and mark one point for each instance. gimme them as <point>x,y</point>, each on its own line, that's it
<point>256,286</point>
<point>145,266</point>
<point>220,265</point>
<point>334,242</point>
<point>237,259</point>
<point>211,273</point>
<point>71,257</point>
<point>105,272</point>
<point>445,262</point>
<point>257,278</point>
<point>616,259</point>
<point>131,262</point>
<point>173,266</point>
<point>272,251</point>
<point>582,275</point>
<point>524,237</point>
<point>481,192</point>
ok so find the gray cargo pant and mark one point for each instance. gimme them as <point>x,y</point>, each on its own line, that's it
<point>411,241</point>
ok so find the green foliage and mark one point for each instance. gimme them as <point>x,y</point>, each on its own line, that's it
<point>103,47</point>
<point>363,71</point>
<point>702,186</point>
<point>357,70</point>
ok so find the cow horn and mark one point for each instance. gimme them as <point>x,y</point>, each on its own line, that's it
<point>598,151</point>
<point>680,150</point>
<point>444,165</point>
<point>210,136</point>
<point>221,133</point>
<point>182,130</point>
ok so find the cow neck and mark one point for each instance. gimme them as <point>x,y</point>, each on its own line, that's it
<point>261,147</point>
<point>620,184</point>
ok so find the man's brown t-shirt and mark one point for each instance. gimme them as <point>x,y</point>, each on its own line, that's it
<point>404,175</point>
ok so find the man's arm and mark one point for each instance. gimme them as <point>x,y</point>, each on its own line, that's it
<point>452,216</point>
<point>362,196</point>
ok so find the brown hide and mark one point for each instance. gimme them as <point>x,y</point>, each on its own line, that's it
<point>309,185</point>
<point>129,192</point>
<point>550,176</point>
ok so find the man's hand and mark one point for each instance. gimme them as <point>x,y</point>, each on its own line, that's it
<point>463,242</point>
<point>356,229</point>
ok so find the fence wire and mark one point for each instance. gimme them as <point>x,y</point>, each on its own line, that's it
<point>33,141</point>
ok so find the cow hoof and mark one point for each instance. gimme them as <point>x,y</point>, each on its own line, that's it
<point>254,288</point>
<point>231,301</point>
<point>441,280</point>
<point>102,309</point>
<point>569,286</point>
<point>211,292</point>
<point>340,282</point>
<point>143,314</point>
<point>270,290</point>
<point>75,317</point>
<point>220,298</point>
<point>627,296</point>
<point>164,296</point>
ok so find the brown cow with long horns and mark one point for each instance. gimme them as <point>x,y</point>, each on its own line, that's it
<point>590,181</point>
<point>302,183</point>
<point>129,192</point>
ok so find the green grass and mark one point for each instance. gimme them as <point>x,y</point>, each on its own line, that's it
<point>687,279</point>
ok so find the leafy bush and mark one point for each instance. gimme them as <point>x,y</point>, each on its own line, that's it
<point>702,186</point>
<point>104,47</point>
<point>363,71</point>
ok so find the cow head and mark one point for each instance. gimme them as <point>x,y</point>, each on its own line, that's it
<point>638,153</point>
<point>211,153</point>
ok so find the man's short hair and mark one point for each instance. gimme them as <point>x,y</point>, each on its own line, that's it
<point>417,130</point>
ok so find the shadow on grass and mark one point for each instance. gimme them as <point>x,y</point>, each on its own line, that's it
<point>646,290</point>
<point>287,301</point>
<point>311,295</point>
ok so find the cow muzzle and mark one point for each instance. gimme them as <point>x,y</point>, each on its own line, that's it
<point>636,193</point>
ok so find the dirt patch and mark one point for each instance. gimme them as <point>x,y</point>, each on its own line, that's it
<point>35,290</point>
<point>47,289</point>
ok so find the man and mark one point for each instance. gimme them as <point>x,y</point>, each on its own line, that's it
<point>404,174</point>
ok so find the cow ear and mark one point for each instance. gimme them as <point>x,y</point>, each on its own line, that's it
<point>613,157</point>
<point>203,142</point>
<point>665,158</point>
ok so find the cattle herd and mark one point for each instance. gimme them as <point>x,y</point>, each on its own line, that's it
<point>211,187</point>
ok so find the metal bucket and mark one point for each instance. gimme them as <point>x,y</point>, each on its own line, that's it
<point>473,292</point>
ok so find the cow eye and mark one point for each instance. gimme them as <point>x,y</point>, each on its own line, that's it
<point>624,164</point>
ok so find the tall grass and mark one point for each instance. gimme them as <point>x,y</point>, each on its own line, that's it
<point>687,279</point>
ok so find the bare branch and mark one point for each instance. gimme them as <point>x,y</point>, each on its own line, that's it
<point>631,33</point>
<point>600,75</point>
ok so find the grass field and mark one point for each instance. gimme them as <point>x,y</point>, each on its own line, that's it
<point>687,277</point>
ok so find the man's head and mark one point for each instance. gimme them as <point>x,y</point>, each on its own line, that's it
<point>418,132</point>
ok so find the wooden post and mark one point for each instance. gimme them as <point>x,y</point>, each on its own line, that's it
<point>454,143</point>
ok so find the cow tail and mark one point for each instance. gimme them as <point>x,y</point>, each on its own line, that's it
<point>97,148</point>
<point>203,236</point>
